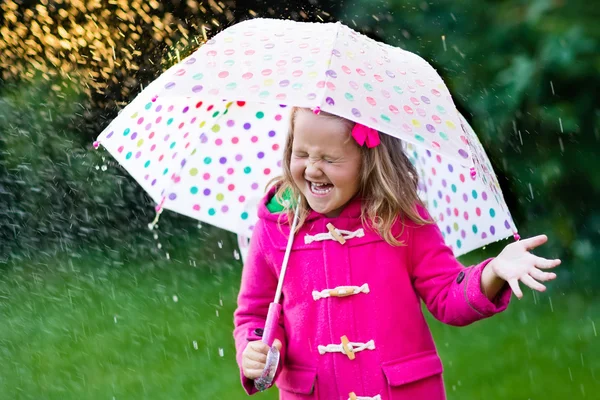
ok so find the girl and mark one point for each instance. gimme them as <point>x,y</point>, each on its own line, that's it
<point>352,326</point>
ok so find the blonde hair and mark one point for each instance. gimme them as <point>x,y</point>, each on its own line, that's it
<point>388,184</point>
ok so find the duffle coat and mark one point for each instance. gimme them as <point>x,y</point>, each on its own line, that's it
<point>352,322</point>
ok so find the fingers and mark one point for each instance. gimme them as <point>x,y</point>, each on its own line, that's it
<point>541,275</point>
<point>252,370</point>
<point>277,344</point>
<point>533,242</point>
<point>514,285</point>
<point>258,346</point>
<point>253,373</point>
<point>254,359</point>
<point>544,263</point>
<point>532,283</point>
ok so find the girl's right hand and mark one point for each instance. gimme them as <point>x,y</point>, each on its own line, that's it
<point>254,358</point>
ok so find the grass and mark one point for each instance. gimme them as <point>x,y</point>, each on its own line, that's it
<point>87,328</point>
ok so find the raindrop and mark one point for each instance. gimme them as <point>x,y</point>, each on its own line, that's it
<point>570,373</point>
<point>530,190</point>
<point>220,352</point>
<point>562,146</point>
<point>560,123</point>
<point>195,344</point>
<point>175,298</point>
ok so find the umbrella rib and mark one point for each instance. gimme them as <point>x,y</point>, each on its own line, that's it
<point>327,78</point>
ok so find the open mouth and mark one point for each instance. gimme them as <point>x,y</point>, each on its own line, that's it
<point>320,189</point>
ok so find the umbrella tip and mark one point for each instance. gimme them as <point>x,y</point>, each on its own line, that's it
<point>159,210</point>
<point>473,172</point>
<point>316,110</point>
<point>96,144</point>
<point>516,236</point>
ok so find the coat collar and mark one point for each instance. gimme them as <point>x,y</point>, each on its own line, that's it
<point>352,210</point>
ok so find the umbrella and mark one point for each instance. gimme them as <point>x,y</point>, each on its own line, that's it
<point>205,137</point>
<point>468,207</point>
<point>255,66</point>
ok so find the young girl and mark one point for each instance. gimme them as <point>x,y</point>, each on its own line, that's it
<point>352,326</point>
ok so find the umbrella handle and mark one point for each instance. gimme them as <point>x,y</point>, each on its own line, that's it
<point>271,324</point>
<point>266,379</point>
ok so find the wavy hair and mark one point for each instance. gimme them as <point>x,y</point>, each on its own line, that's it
<point>388,184</point>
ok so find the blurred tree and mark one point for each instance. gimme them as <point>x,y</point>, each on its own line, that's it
<point>67,68</point>
<point>527,74</point>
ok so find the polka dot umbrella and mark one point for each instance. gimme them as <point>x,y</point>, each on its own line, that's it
<point>205,137</point>
<point>467,205</point>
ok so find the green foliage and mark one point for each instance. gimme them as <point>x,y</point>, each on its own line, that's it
<point>526,74</point>
<point>56,191</point>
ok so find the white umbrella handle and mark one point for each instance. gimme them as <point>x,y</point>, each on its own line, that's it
<point>266,379</point>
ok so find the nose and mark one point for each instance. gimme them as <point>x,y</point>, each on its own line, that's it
<point>311,170</point>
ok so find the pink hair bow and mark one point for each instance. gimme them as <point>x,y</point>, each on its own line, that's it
<point>363,134</point>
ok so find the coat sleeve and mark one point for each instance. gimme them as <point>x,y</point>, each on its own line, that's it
<point>257,291</point>
<point>451,292</point>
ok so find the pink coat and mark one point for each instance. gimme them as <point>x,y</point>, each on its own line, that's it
<point>394,353</point>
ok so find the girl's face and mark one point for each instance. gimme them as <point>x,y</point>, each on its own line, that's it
<point>325,162</point>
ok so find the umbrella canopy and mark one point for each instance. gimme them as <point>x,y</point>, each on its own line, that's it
<point>469,208</point>
<point>206,136</point>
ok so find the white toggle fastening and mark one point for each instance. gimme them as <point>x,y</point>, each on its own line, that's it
<point>340,291</point>
<point>377,397</point>
<point>328,236</point>
<point>354,346</point>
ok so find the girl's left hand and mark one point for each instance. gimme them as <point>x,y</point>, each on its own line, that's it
<point>515,263</point>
